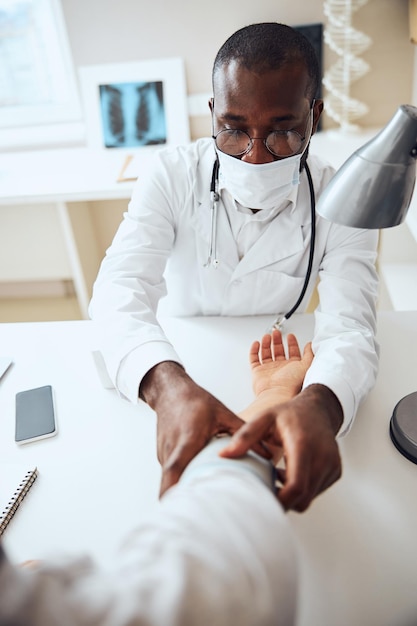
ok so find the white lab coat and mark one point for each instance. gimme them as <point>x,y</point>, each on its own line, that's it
<point>218,551</point>
<point>162,247</point>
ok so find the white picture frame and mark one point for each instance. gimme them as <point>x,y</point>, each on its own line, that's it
<point>165,82</point>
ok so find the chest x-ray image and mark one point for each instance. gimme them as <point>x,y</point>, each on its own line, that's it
<point>133,114</point>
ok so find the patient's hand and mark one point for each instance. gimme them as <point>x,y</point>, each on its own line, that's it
<point>273,370</point>
<point>276,378</point>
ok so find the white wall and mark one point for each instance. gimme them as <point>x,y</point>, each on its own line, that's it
<point>103,31</point>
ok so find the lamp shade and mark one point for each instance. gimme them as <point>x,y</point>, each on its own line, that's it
<point>374,187</point>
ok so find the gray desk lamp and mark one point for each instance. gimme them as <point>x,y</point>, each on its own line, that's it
<point>373,189</point>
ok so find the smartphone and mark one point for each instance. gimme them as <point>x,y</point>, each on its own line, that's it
<point>35,414</point>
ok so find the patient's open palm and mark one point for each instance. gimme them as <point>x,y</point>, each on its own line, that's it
<point>272,368</point>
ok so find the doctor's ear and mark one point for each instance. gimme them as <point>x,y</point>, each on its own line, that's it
<point>211,104</point>
<point>317,111</point>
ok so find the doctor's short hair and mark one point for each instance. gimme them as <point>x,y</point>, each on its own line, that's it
<point>269,46</point>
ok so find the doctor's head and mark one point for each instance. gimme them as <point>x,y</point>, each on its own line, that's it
<point>265,80</point>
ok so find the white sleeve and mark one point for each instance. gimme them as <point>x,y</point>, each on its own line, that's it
<point>345,347</point>
<point>219,551</point>
<point>130,281</point>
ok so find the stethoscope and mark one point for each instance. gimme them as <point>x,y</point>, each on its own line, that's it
<point>213,261</point>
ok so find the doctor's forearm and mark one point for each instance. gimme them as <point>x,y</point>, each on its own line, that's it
<point>326,403</point>
<point>188,416</point>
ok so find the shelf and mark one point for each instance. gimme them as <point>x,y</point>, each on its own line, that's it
<point>336,146</point>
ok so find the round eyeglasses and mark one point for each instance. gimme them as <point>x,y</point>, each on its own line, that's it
<point>280,143</point>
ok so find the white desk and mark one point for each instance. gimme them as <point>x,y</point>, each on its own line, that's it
<point>100,476</point>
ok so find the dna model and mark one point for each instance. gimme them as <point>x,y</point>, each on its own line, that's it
<point>347,43</point>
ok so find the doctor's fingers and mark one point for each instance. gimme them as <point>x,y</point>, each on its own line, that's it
<point>234,429</point>
<point>308,473</point>
<point>176,462</point>
<point>175,458</point>
<point>251,436</point>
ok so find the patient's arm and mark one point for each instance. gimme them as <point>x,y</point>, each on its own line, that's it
<point>276,377</point>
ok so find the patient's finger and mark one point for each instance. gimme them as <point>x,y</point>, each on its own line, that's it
<point>266,349</point>
<point>254,354</point>
<point>308,354</point>
<point>278,349</point>
<point>293,347</point>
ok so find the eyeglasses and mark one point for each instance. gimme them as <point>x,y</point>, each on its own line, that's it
<point>280,143</point>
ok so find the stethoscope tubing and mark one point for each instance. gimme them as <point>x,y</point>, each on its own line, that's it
<point>312,244</point>
<point>212,259</point>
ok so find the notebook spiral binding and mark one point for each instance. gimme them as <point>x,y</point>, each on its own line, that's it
<point>18,496</point>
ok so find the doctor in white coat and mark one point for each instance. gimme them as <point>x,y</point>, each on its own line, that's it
<point>226,226</point>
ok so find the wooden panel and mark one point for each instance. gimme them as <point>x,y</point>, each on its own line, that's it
<point>413,20</point>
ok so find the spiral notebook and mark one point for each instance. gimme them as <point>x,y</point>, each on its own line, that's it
<point>15,484</point>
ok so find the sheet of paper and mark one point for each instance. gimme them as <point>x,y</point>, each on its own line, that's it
<point>130,170</point>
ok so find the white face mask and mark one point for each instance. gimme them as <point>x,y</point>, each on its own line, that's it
<point>259,185</point>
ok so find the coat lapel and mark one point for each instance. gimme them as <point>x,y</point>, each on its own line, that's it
<point>282,239</point>
<point>279,241</point>
<point>284,236</point>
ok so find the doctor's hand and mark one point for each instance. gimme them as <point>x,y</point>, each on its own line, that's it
<point>187,418</point>
<point>305,427</point>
